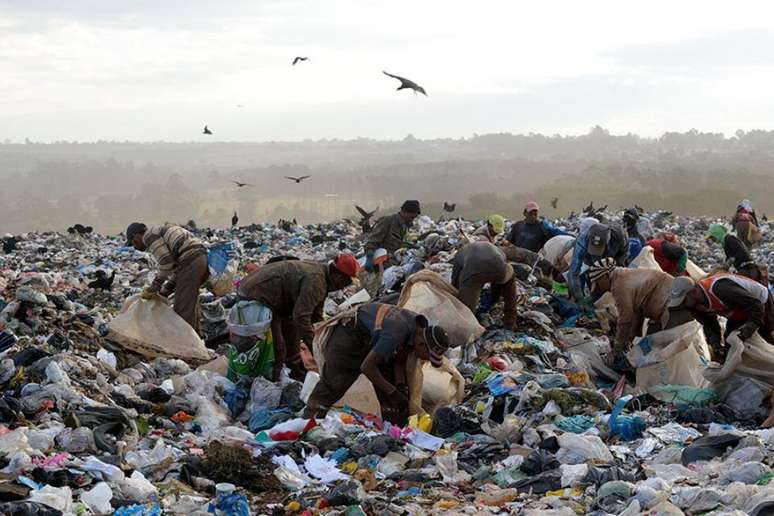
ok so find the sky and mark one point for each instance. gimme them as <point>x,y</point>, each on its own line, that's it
<point>146,70</point>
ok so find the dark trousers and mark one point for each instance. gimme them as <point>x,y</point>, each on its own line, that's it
<point>470,293</point>
<point>287,348</point>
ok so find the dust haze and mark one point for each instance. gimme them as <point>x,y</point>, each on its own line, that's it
<point>50,186</point>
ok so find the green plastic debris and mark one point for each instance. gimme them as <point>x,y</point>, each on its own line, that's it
<point>683,395</point>
<point>482,374</point>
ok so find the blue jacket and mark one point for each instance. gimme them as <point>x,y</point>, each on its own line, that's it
<point>617,248</point>
<point>533,236</point>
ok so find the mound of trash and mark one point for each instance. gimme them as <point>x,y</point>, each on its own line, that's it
<point>109,409</point>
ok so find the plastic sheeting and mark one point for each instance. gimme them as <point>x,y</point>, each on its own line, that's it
<point>151,328</point>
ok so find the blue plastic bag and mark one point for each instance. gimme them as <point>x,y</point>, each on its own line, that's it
<point>230,505</point>
<point>218,257</point>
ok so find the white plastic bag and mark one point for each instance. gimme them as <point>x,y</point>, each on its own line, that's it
<point>249,318</point>
<point>223,283</point>
<point>577,449</point>
<point>98,499</point>
<point>152,329</point>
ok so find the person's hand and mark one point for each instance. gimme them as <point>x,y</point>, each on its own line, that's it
<point>148,293</point>
<point>167,289</point>
<point>746,331</point>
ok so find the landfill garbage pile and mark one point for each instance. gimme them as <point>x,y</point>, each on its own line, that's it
<point>542,425</point>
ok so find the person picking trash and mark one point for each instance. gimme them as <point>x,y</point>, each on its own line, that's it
<point>376,340</point>
<point>494,227</point>
<point>295,291</point>
<point>533,232</point>
<point>182,265</point>
<point>745,303</point>
<point>389,232</point>
<point>477,264</point>
<point>596,242</point>
<point>639,294</point>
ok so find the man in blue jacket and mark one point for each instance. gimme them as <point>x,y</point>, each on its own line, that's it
<point>597,242</point>
<point>533,232</point>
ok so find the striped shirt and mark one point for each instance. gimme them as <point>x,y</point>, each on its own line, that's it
<point>171,246</point>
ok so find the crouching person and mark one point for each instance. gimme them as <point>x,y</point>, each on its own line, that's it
<point>376,342</point>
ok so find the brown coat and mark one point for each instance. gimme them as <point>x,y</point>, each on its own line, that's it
<point>388,233</point>
<point>293,290</point>
<point>639,294</point>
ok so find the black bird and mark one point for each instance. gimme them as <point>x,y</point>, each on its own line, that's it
<point>366,216</point>
<point>639,209</point>
<point>589,210</point>
<point>297,179</point>
<point>206,130</point>
<point>234,220</point>
<point>240,185</point>
<point>103,281</point>
<point>449,207</point>
<point>298,58</point>
<point>407,84</point>
<point>555,202</point>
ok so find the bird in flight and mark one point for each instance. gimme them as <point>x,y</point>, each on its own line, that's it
<point>240,185</point>
<point>449,207</point>
<point>407,84</point>
<point>365,220</point>
<point>299,58</point>
<point>555,202</point>
<point>297,179</point>
<point>206,130</point>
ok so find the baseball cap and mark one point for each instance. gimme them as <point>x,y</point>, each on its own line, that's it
<point>497,222</point>
<point>133,229</point>
<point>598,237</point>
<point>531,206</point>
<point>680,288</point>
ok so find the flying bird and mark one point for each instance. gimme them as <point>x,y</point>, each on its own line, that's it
<point>407,84</point>
<point>206,130</point>
<point>555,202</point>
<point>240,185</point>
<point>299,58</point>
<point>366,216</point>
<point>449,207</point>
<point>234,220</point>
<point>297,179</point>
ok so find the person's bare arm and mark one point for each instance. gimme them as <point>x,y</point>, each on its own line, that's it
<point>370,368</point>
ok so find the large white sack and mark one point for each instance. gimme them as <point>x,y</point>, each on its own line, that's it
<point>428,294</point>
<point>151,328</point>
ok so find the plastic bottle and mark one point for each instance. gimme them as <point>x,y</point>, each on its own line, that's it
<point>628,427</point>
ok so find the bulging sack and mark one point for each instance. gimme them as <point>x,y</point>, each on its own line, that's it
<point>251,352</point>
<point>151,328</point>
<point>428,294</point>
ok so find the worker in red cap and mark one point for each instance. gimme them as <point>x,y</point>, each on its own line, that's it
<point>533,232</point>
<point>295,291</point>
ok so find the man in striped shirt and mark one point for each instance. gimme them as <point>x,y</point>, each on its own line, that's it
<point>182,262</point>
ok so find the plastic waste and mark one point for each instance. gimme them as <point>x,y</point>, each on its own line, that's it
<point>577,449</point>
<point>628,427</point>
<point>98,499</point>
<point>447,466</point>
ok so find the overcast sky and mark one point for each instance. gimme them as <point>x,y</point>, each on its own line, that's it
<point>159,70</point>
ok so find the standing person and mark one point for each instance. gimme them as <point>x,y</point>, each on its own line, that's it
<point>596,241</point>
<point>295,291</point>
<point>479,263</point>
<point>745,223</point>
<point>495,225</point>
<point>376,342</point>
<point>737,254</point>
<point>389,232</point>
<point>670,256</point>
<point>638,294</point>
<point>534,231</point>
<point>746,304</point>
<point>182,265</point>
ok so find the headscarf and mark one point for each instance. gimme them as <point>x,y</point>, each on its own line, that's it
<point>718,231</point>
<point>601,268</point>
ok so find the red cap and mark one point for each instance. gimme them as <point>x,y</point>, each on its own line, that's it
<point>347,264</point>
<point>531,206</point>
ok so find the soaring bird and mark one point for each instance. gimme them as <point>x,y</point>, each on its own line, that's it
<point>234,220</point>
<point>407,84</point>
<point>298,58</point>
<point>206,130</point>
<point>297,179</point>
<point>555,202</point>
<point>449,207</point>
<point>240,185</point>
<point>365,218</point>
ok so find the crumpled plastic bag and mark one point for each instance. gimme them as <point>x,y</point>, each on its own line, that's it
<point>577,449</point>
<point>152,329</point>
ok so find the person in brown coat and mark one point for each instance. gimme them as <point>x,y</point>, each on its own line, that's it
<point>638,294</point>
<point>479,263</point>
<point>295,291</point>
